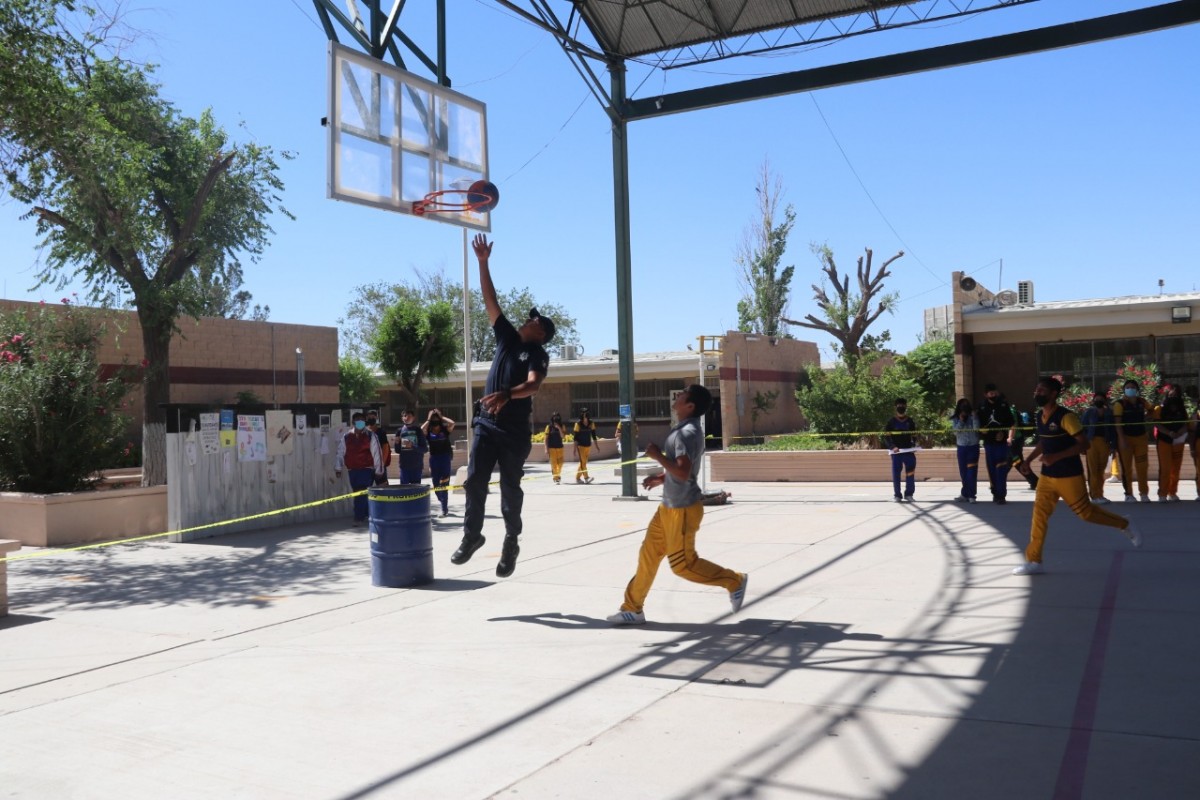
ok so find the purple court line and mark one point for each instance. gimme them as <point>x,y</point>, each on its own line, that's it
<point>1073,769</point>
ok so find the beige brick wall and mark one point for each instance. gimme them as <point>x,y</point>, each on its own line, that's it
<point>766,366</point>
<point>212,359</point>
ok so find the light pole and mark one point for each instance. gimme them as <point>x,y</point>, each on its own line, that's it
<point>299,375</point>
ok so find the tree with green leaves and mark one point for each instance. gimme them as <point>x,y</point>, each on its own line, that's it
<point>415,341</point>
<point>849,313</point>
<point>60,418</point>
<point>933,362</point>
<point>129,195</point>
<point>851,402</point>
<point>363,314</point>
<point>765,287</point>
<point>356,381</point>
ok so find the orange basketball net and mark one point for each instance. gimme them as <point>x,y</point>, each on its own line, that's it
<point>452,200</point>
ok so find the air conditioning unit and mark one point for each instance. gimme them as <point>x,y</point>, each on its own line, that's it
<point>1025,293</point>
<point>568,352</point>
<point>1006,298</point>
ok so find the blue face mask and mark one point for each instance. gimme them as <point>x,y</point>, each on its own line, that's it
<point>359,424</point>
<point>1131,392</point>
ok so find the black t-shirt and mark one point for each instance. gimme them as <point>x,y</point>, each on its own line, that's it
<point>439,440</point>
<point>513,362</point>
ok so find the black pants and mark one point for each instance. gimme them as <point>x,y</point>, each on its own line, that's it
<point>490,450</point>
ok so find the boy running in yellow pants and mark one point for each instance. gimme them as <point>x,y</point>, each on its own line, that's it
<point>672,532</point>
<point>1060,443</point>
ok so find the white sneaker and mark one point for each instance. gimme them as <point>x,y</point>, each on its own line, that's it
<point>1133,533</point>
<point>1130,498</point>
<point>627,618</point>
<point>1028,568</point>
<point>738,595</point>
<point>970,499</point>
<point>1113,479</point>
<point>1145,498</point>
<point>1100,501</point>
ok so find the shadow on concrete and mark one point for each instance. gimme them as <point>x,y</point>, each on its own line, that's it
<point>1033,727</point>
<point>17,620</point>
<point>246,570</point>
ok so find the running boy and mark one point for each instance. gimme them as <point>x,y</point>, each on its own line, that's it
<point>672,531</point>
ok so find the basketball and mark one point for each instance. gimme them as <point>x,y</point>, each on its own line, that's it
<point>485,194</point>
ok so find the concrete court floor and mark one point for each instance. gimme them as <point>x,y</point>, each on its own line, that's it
<point>884,651</point>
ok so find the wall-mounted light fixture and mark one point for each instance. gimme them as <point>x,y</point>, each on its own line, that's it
<point>1181,314</point>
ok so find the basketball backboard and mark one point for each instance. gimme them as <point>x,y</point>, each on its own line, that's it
<point>395,137</point>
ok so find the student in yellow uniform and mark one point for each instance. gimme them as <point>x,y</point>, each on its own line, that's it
<point>1170,435</point>
<point>555,434</point>
<point>1060,443</point>
<point>1193,435</point>
<point>1098,430</point>
<point>584,433</point>
<point>1129,415</point>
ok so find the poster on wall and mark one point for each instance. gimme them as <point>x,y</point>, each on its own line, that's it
<point>210,433</point>
<point>251,437</point>
<point>228,431</point>
<point>301,424</point>
<point>280,436</point>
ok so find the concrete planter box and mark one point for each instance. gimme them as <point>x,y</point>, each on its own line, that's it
<point>939,464</point>
<point>54,520</point>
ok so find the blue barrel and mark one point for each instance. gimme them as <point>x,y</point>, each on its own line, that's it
<point>401,536</point>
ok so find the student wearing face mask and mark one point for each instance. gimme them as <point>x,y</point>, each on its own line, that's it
<point>358,453</point>
<point>1129,415</point>
<point>1060,443</point>
<point>1170,435</point>
<point>1101,437</point>
<point>998,422</point>
<point>966,439</point>
<point>897,436</point>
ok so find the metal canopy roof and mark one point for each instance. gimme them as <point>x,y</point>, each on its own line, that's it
<point>639,27</point>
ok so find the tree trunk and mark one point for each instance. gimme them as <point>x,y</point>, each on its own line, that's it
<point>156,390</point>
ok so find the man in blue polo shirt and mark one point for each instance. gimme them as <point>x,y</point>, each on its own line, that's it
<point>503,433</point>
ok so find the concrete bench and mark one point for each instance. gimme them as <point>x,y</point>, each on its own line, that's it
<point>6,546</point>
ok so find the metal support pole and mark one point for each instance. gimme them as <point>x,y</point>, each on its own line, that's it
<point>467,342</point>
<point>625,390</point>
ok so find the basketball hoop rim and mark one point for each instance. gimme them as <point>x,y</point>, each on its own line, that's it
<point>434,202</point>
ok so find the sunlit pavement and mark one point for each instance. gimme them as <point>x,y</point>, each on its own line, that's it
<point>884,650</point>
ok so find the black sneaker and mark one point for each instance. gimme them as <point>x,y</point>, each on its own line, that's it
<point>467,549</point>
<point>508,557</point>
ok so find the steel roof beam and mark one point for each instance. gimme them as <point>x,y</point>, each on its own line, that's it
<point>1129,23</point>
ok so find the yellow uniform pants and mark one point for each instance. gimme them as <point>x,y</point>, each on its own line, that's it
<point>581,472</point>
<point>1135,455</point>
<point>556,461</point>
<point>1073,493</point>
<point>672,533</point>
<point>1170,464</point>
<point>1097,460</point>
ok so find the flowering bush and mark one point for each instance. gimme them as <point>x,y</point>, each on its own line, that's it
<point>1147,377</point>
<point>59,418</point>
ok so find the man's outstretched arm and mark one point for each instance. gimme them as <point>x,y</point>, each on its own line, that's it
<point>483,250</point>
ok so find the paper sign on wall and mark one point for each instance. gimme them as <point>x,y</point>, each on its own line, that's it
<point>251,437</point>
<point>280,435</point>
<point>210,433</point>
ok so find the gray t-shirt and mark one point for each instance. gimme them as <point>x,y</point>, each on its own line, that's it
<point>684,439</point>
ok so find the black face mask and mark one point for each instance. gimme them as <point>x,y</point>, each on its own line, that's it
<point>901,410</point>
<point>1041,399</point>
<point>1099,404</point>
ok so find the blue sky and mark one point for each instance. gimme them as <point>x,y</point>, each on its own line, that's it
<point>1076,169</point>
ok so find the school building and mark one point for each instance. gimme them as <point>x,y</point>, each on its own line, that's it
<point>741,370</point>
<point>215,360</point>
<point>1009,338</point>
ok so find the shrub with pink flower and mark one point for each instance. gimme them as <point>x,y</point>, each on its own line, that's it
<point>1147,377</point>
<point>56,427</point>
